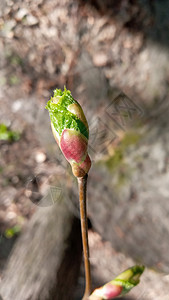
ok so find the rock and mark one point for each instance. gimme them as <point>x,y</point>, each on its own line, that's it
<point>40,157</point>
<point>21,13</point>
<point>49,264</point>
<point>100,59</point>
<point>7,29</point>
<point>128,197</point>
<point>31,20</point>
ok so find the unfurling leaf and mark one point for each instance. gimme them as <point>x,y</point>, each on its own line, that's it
<point>119,286</point>
<point>70,129</point>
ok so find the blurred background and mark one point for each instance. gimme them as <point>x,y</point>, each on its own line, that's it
<point>113,56</point>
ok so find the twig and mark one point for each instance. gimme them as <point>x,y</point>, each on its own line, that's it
<point>82,184</point>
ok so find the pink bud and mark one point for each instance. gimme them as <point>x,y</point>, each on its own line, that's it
<point>108,291</point>
<point>111,291</point>
<point>70,129</point>
<point>73,145</point>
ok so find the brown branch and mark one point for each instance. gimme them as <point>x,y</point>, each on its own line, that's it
<point>82,183</point>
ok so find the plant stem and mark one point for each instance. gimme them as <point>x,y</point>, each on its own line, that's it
<point>82,184</point>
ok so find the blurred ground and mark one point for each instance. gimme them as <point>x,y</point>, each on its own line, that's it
<point>97,51</point>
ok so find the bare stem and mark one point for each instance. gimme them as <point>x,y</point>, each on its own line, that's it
<point>82,184</point>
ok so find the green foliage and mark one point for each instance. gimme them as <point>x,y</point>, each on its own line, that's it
<point>2,81</point>
<point>129,278</point>
<point>13,58</point>
<point>10,232</point>
<point>8,135</point>
<point>60,116</point>
<point>16,60</point>
<point>131,138</point>
<point>13,79</point>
